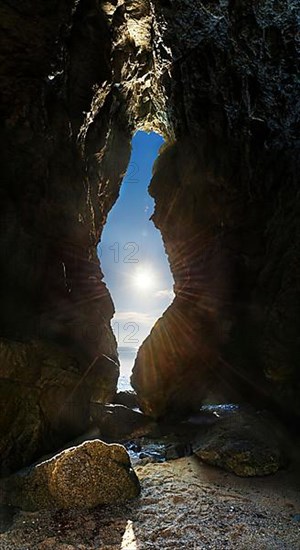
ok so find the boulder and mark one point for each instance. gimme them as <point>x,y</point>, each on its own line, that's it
<point>117,422</point>
<point>245,443</point>
<point>84,476</point>
<point>128,398</point>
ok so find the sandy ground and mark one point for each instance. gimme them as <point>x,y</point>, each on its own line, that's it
<point>184,504</point>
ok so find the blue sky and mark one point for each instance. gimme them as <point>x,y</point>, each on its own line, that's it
<point>131,251</point>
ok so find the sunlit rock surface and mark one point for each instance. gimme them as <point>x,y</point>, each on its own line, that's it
<point>81,477</point>
<point>220,82</point>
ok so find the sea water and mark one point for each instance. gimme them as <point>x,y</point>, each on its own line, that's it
<point>127,356</point>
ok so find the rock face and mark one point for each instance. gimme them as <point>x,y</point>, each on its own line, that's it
<point>219,81</point>
<point>227,204</point>
<point>44,401</point>
<point>172,370</point>
<point>85,476</point>
<point>51,282</point>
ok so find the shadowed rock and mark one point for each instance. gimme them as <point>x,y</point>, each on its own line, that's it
<point>128,398</point>
<point>117,422</point>
<point>44,401</point>
<point>247,444</point>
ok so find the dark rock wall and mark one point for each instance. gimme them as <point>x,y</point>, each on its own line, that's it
<point>227,204</point>
<point>219,80</point>
<point>53,206</point>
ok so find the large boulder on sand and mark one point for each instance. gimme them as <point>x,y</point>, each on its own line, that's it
<point>246,443</point>
<point>90,474</point>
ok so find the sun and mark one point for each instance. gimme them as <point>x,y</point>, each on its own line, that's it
<point>144,278</point>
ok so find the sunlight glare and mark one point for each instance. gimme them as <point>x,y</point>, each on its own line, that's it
<point>129,541</point>
<point>144,278</point>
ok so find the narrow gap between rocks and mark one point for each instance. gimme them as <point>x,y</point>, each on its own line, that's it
<point>133,257</point>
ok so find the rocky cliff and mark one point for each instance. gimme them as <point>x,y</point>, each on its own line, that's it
<point>218,79</point>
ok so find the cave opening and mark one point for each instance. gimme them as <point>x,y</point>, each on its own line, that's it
<point>133,258</point>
